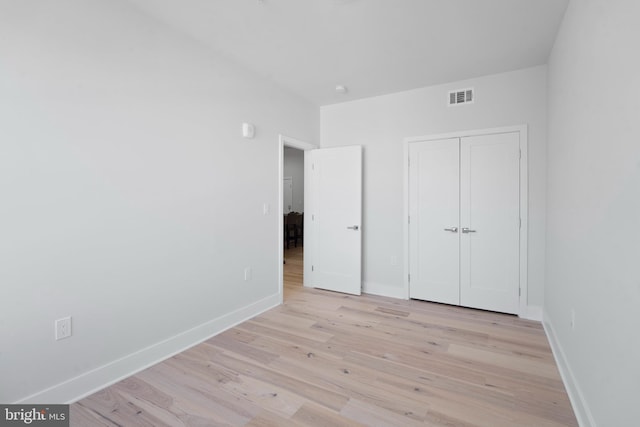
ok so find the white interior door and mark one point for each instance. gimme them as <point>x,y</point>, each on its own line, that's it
<point>434,210</point>
<point>287,194</point>
<point>490,222</point>
<point>333,212</point>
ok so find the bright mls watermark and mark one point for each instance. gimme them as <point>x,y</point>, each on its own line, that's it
<point>34,415</point>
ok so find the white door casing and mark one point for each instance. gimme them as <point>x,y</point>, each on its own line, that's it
<point>500,288</point>
<point>333,215</point>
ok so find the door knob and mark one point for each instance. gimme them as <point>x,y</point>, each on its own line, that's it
<point>452,229</point>
<point>466,230</point>
<point>355,227</point>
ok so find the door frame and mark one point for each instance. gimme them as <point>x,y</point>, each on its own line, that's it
<point>285,141</point>
<point>524,212</point>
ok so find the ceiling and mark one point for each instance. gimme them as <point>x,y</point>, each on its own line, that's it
<point>372,47</point>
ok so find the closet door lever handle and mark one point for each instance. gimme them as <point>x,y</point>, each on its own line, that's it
<point>466,230</point>
<point>452,229</point>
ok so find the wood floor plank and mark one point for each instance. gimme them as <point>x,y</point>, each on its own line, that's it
<point>329,359</point>
<point>85,416</point>
<point>318,416</point>
<point>373,415</point>
<point>199,399</point>
<point>266,395</point>
<point>507,361</point>
<point>286,379</point>
<point>269,419</point>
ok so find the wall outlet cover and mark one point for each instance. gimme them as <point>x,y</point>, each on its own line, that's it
<point>63,328</point>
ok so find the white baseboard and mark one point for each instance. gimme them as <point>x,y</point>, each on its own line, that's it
<point>383,290</point>
<point>578,402</point>
<point>90,382</point>
<point>533,312</point>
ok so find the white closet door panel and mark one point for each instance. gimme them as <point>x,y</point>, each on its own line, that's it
<point>490,209</point>
<point>433,207</point>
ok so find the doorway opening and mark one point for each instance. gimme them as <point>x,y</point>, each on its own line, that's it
<point>293,217</point>
<point>291,208</point>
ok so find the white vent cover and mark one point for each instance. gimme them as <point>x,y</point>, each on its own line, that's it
<point>461,96</point>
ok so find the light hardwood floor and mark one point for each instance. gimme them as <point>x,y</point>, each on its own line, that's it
<point>327,359</point>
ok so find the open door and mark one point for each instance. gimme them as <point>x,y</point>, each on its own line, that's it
<point>333,215</point>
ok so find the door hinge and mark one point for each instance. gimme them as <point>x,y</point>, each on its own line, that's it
<point>519,292</point>
<point>312,268</point>
<point>520,225</point>
<point>313,217</point>
<point>313,166</point>
<point>520,154</point>
<point>409,277</point>
<point>409,219</point>
<point>409,162</point>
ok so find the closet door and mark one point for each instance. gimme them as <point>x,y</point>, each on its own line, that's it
<point>434,206</point>
<point>490,222</point>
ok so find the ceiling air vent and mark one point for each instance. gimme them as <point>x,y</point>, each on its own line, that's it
<point>461,96</point>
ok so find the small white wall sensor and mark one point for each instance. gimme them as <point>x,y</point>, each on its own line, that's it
<point>248,130</point>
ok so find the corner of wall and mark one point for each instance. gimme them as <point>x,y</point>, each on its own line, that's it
<point>578,402</point>
<point>533,312</point>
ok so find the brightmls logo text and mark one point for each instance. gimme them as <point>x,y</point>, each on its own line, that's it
<point>27,416</point>
<point>34,415</point>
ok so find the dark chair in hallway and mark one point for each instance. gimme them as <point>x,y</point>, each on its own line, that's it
<point>293,229</point>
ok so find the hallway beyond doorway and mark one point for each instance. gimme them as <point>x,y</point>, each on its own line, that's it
<point>292,270</point>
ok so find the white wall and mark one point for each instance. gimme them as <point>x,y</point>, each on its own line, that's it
<point>380,124</point>
<point>593,216</point>
<point>120,148</point>
<point>293,166</point>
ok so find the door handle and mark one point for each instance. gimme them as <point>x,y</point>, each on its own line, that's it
<point>452,229</point>
<point>355,227</point>
<point>466,230</point>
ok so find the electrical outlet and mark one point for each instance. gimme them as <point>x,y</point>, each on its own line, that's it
<point>266,209</point>
<point>247,274</point>
<point>63,328</point>
<point>394,261</point>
